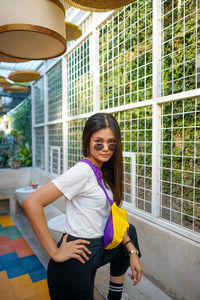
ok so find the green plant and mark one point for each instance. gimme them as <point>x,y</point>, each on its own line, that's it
<point>15,139</point>
<point>4,149</point>
<point>25,155</point>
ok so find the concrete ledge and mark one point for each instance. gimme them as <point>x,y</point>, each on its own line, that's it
<point>170,260</point>
<point>11,196</point>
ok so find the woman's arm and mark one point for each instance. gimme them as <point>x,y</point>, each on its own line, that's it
<point>135,263</point>
<point>33,206</point>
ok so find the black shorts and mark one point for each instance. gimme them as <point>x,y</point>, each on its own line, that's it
<point>72,280</point>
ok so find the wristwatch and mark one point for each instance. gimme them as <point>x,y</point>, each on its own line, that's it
<point>134,251</point>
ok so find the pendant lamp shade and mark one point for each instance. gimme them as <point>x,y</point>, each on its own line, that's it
<point>4,83</point>
<point>24,76</point>
<point>73,32</point>
<point>32,29</point>
<point>17,89</point>
<point>94,5</point>
<point>10,59</point>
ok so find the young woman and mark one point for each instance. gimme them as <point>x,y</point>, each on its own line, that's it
<point>74,261</point>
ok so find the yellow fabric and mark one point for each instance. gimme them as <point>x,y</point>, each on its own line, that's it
<point>120,225</point>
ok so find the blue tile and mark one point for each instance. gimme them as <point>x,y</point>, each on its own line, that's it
<point>38,275</point>
<point>31,263</point>
<point>7,257</point>
<point>12,264</point>
<point>1,267</point>
<point>16,271</point>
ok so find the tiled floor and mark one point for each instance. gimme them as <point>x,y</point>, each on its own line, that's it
<point>22,275</point>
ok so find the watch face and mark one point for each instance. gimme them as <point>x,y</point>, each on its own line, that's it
<point>133,252</point>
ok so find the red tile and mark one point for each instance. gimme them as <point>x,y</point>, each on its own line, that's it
<point>4,240</point>
<point>25,252</point>
<point>19,244</point>
<point>4,249</point>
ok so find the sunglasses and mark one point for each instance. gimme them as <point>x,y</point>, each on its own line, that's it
<point>99,146</point>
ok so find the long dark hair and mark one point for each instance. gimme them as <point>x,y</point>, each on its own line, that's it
<point>112,169</point>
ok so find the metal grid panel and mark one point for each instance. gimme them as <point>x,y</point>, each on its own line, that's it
<point>56,139</point>
<point>55,160</point>
<point>39,148</point>
<point>79,80</point>
<point>180,163</point>
<point>136,129</point>
<point>125,51</point>
<point>180,46</point>
<point>39,101</point>
<point>54,77</point>
<point>75,130</point>
<point>129,170</point>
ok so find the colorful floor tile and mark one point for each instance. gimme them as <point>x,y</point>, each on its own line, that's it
<point>22,276</point>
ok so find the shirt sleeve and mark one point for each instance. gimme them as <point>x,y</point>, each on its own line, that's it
<point>71,183</point>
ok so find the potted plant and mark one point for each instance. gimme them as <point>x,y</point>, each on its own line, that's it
<point>34,184</point>
<point>15,139</point>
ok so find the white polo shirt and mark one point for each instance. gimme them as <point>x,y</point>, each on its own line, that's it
<point>87,208</point>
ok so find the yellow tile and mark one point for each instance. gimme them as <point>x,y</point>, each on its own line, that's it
<point>25,292</point>
<point>20,281</point>
<point>8,296</point>
<point>4,286</point>
<point>45,296</point>
<point>6,221</point>
<point>3,275</point>
<point>37,297</point>
<point>41,286</point>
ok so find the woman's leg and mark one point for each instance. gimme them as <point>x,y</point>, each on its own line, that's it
<point>119,263</point>
<point>71,279</point>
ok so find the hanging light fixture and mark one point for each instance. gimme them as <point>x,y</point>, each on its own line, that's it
<point>32,30</point>
<point>98,6</point>
<point>24,76</point>
<point>1,107</point>
<point>4,83</point>
<point>73,32</point>
<point>10,59</point>
<point>17,89</point>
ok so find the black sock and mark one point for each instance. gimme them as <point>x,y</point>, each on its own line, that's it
<point>115,291</point>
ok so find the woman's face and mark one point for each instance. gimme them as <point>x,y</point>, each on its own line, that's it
<point>102,146</point>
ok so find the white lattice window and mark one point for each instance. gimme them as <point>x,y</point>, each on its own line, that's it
<point>55,160</point>
<point>129,164</point>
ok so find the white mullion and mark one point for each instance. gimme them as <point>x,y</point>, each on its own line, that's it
<point>137,51</point>
<point>145,55</point>
<point>46,131</point>
<point>124,59</point>
<point>118,88</point>
<point>183,132</point>
<point>196,84</point>
<point>156,108</point>
<point>64,113</point>
<point>171,163</point>
<point>33,126</point>
<point>194,171</point>
<point>145,159</point>
<point>172,46</point>
<point>94,67</point>
<point>184,48</point>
